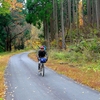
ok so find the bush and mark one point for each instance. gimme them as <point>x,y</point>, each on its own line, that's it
<point>58,55</point>
<point>66,56</point>
<point>90,49</point>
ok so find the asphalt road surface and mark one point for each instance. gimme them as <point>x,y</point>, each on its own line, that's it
<point>24,83</point>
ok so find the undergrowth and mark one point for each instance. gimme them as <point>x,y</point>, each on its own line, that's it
<point>84,59</point>
<point>84,66</point>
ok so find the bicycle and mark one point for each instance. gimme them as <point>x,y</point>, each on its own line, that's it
<point>41,63</point>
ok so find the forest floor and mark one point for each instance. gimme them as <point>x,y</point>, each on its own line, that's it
<point>90,78</point>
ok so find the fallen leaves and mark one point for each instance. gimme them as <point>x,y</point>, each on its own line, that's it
<point>87,77</point>
<point>4,58</point>
<point>3,63</point>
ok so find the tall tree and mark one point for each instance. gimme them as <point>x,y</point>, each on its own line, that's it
<point>97,13</point>
<point>89,11</point>
<point>9,21</point>
<point>39,12</point>
<point>65,16</point>
<point>55,22</point>
<point>62,26</point>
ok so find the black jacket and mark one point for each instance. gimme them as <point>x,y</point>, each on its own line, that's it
<point>42,54</point>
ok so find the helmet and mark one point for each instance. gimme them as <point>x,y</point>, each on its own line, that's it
<point>42,47</point>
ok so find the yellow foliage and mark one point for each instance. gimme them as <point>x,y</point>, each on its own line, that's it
<point>53,43</point>
<point>14,4</point>
<point>36,44</point>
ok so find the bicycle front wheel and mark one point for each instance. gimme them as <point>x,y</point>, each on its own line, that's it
<point>42,71</point>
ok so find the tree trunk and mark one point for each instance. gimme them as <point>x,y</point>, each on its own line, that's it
<point>73,12</point>
<point>46,34</point>
<point>56,22</point>
<point>51,28</point>
<point>97,14</point>
<point>89,11</point>
<point>93,13</point>
<point>8,39</point>
<point>69,16</point>
<point>62,26</point>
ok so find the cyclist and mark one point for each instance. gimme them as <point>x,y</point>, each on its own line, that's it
<point>41,54</point>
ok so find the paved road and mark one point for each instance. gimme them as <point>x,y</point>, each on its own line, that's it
<point>24,83</point>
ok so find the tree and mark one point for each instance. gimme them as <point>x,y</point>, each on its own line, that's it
<point>62,26</point>
<point>18,26</point>
<point>4,7</point>
<point>76,19</point>
<point>4,21</point>
<point>9,22</point>
<point>39,12</point>
<point>97,13</point>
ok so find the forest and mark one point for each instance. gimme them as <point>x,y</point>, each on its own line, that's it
<point>70,29</point>
<point>63,23</point>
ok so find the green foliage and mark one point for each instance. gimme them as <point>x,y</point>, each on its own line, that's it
<point>38,11</point>
<point>92,66</point>
<point>59,55</point>
<point>10,20</point>
<point>27,34</point>
<point>53,44</point>
<point>77,58</point>
<point>4,22</point>
<point>85,7</point>
<point>5,8</point>
<point>41,36</point>
<point>53,53</point>
<point>74,57</point>
<point>89,49</point>
<point>90,44</point>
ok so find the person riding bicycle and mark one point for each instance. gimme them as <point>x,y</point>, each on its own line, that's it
<point>41,54</point>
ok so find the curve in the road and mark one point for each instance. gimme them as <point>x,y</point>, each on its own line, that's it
<point>24,83</point>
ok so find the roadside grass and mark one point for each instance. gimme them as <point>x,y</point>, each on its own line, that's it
<point>4,58</point>
<point>86,73</point>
